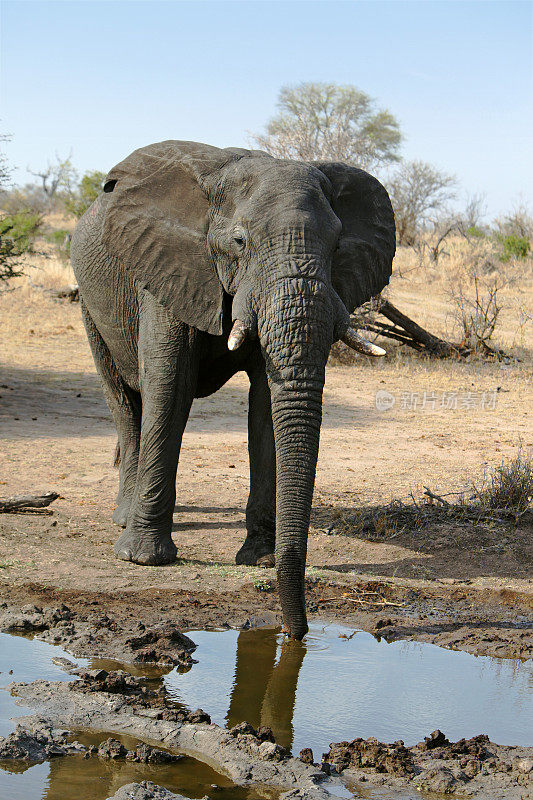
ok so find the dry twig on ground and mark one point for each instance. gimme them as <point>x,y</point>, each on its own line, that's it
<point>28,503</point>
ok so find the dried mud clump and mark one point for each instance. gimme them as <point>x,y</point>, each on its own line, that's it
<point>31,618</point>
<point>142,754</point>
<point>369,753</point>
<point>95,635</point>
<point>179,715</point>
<point>40,744</point>
<point>262,738</point>
<point>469,766</point>
<point>116,682</point>
<point>262,734</point>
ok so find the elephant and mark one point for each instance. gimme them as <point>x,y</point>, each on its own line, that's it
<point>197,262</point>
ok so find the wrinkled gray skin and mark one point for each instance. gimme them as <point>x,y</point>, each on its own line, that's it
<point>270,233</point>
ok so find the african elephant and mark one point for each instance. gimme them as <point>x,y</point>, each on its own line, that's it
<point>198,262</point>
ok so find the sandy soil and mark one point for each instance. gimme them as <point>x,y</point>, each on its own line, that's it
<point>457,585</point>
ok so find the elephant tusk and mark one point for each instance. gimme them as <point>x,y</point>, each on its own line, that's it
<point>238,335</point>
<point>361,345</point>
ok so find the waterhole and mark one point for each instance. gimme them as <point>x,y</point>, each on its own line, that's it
<point>339,684</point>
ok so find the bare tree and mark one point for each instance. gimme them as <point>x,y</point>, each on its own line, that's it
<point>418,191</point>
<point>474,212</point>
<point>58,176</point>
<point>5,169</point>
<point>477,311</point>
<point>331,122</point>
<point>29,197</point>
<point>518,222</point>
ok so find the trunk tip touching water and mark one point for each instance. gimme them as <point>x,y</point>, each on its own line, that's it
<point>298,633</point>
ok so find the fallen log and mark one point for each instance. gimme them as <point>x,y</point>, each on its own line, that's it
<point>27,503</point>
<point>410,333</point>
<point>418,335</point>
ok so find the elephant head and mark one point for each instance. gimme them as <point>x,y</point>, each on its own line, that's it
<point>297,246</point>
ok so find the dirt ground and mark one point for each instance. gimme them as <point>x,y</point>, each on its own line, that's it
<point>458,585</point>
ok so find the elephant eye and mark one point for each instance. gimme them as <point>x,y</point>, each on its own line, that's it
<point>239,238</point>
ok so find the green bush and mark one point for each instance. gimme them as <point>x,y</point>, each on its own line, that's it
<point>17,235</point>
<point>85,193</point>
<point>513,246</point>
<point>475,232</point>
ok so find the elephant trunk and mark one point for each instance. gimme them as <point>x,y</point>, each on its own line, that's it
<point>295,328</point>
<point>296,418</point>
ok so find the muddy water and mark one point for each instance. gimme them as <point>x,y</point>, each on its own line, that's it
<point>338,685</point>
<point>76,778</point>
<point>341,684</point>
<point>73,777</point>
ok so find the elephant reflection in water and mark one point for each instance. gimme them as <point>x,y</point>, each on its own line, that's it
<point>264,693</point>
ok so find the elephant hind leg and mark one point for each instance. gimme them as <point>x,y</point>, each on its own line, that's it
<point>125,406</point>
<point>258,547</point>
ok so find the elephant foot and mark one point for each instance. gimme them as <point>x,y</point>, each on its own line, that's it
<point>145,549</point>
<point>256,552</point>
<point>120,514</point>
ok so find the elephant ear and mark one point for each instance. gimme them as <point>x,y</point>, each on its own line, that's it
<point>362,262</point>
<point>156,224</point>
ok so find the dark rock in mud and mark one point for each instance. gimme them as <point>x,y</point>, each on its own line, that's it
<point>197,716</point>
<point>142,754</point>
<point>40,744</point>
<point>92,635</point>
<point>115,682</point>
<point>176,714</point>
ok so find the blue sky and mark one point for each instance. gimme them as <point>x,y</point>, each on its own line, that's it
<point>102,78</point>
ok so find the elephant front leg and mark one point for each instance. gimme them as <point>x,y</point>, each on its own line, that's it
<point>258,548</point>
<point>168,372</point>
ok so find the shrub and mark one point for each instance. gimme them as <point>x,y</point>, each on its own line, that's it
<point>85,193</point>
<point>17,235</point>
<point>513,246</point>
<point>475,232</point>
<point>510,486</point>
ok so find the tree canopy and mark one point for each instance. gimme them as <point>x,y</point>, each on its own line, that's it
<point>325,121</point>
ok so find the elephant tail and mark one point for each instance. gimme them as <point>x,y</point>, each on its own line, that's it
<point>116,460</point>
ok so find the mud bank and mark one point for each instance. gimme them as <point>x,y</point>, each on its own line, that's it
<point>246,756</point>
<point>98,635</point>
<point>479,620</point>
<point>149,791</point>
<point>103,701</point>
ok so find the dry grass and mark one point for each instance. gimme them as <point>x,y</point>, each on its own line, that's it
<point>504,497</point>
<point>416,278</point>
<point>510,486</point>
